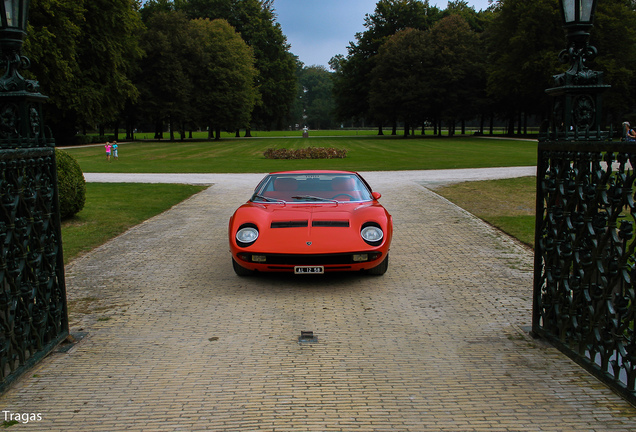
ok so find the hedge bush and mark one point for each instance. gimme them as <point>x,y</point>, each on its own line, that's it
<point>306,153</point>
<point>71,184</point>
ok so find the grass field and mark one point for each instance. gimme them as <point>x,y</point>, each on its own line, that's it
<point>507,204</point>
<point>366,153</point>
<point>113,208</point>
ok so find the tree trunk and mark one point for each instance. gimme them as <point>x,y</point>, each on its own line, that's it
<point>158,129</point>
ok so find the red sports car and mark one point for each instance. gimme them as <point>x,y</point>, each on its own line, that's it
<point>311,222</point>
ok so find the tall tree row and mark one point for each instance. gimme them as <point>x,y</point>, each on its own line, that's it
<point>180,65</point>
<point>220,64</point>
<point>418,64</point>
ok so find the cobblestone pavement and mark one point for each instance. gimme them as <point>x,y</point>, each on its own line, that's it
<point>177,342</point>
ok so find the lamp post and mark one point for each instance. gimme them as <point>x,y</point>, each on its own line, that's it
<point>584,254</point>
<point>20,101</point>
<point>33,310</point>
<point>577,106</point>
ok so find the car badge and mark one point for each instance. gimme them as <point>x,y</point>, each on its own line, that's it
<point>308,243</point>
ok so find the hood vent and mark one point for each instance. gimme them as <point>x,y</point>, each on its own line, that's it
<point>290,224</point>
<point>326,223</point>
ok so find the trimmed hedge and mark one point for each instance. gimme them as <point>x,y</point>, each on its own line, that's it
<point>71,184</point>
<point>306,153</point>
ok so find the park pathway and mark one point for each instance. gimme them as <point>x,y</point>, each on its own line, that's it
<point>177,342</point>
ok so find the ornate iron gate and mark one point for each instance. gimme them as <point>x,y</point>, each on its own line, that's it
<point>585,261</point>
<point>33,314</point>
<point>33,311</point>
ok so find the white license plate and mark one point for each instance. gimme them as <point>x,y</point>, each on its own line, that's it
<point>309,270</point>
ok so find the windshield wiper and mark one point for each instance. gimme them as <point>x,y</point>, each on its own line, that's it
<point>312,198</point>
<point>268,199</point>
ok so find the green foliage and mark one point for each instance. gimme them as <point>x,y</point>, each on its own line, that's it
<point>316,87</point>
<point>614,35</point>
<point>524,40</point>
<point>305,153</point>
<point>165,77</point>
<point>71,184</point>
<point>417,74</point>
<point>83,53</point>
<point>255,21</point>
<point>224,76</point>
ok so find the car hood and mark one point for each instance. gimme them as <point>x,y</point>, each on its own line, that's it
<point>310,228</point>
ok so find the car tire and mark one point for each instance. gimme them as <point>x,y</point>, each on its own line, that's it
<point>241,271</point>
<point>380,269</point>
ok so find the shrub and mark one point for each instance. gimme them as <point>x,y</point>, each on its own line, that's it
<point>71,184</point>
<point>306,153</point>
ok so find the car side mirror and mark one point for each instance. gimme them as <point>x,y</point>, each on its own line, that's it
<point>376,195</point>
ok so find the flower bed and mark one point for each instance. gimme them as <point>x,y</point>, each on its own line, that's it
<point>306,153</point>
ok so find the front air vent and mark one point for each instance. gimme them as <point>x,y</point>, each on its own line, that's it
<point>326,223</point>
<point>290,224</point>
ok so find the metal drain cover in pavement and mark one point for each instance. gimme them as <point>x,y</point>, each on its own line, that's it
<point>307,337</point>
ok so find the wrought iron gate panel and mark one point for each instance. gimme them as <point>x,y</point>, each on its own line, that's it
<point>585,264</point>
<point>33,311</point>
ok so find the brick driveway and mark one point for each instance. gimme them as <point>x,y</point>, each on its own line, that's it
<point>177,342</point>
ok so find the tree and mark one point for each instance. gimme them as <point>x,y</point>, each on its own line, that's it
<point>52,40</point>
<point>428,74</point>
<point>254,20</point>
<point>165,80</point>
<point>352,80</point>
<point>399,83</point>
<point>614,35</point>
<point>107,58</point>
<point>456,70</point>
<point>92,44</point>
<point>224,77</point>
<point>317,96</point>
<point>524,40</point>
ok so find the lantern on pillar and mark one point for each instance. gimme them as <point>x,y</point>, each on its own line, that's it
<point>20,100</point>
<point>577,102</point>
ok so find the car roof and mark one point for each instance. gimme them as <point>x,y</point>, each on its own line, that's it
<point>314,172</point>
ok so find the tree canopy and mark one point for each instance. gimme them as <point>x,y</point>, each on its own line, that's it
<point>226,64</point>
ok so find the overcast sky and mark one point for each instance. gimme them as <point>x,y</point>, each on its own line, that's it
<point>319,29</point>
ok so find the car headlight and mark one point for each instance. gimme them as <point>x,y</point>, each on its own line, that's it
<point>372,234</point>
<point>246,235</point>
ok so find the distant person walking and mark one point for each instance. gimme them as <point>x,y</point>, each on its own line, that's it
<point>108,148</point>
<point>115,155</point>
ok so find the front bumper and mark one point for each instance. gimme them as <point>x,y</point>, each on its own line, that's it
<point>331,262</point>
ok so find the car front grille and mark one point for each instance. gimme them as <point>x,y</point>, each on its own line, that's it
<point>308,260</point>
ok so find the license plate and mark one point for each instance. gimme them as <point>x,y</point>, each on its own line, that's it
<point>309,270</point>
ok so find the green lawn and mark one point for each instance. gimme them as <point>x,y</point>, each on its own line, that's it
<point>507,204</point>
<point>112,208</point>
<point>365,153</point>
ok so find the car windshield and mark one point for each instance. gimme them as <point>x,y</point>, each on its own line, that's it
<point>314,187</point>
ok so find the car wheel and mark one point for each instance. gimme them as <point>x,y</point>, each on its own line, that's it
<point>380,269</point>
<point>241,271</point>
